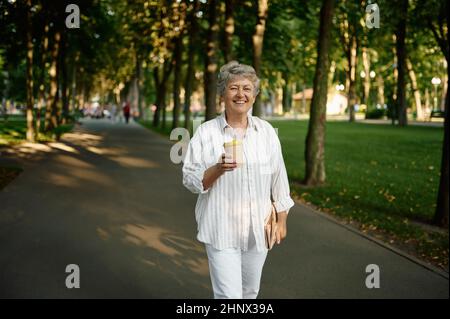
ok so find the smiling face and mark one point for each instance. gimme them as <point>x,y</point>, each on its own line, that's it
<point>238,96</point>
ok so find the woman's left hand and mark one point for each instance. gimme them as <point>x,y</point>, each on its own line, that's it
<point>281,232</point>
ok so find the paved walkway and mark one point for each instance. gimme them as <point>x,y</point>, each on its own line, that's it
<point>109,200</point>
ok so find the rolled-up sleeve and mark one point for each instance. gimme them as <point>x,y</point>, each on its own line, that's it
<point>279,185</point>
<point>194,166</point>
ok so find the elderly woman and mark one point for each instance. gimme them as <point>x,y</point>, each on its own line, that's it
<point>235,200</point>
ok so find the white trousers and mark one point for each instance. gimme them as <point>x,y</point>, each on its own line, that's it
<point>236,274</point>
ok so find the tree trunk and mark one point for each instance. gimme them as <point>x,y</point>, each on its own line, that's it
<point>417,98</point>
<point>442,207</point>
<point>315,138</point>
<point>159,98</point>
<point>30,101</point>
<point>427,103</point>
<point>348,25</point>
<point>444,88</point>
<point>229,30</point>
<point>73,90</point>
<point>51,112</point>
<point>394,106</point>
<point>136,87</point>
<point>64,80</point>
<point>177,80</point>
<point>286,94</point>
<point>42,86</point>
<point>193,28</point>
<point>161,89</point>
<point>210,74</point>
<point>258,38</point>
<point>352,60</point>
<point>331,73</point>
<point>380,90</point>
<point>366,65</point>
<point>401,64</point>
<point>303,97</point>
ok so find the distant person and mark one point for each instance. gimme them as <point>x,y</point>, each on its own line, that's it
<point>126,112</point>
<point>113,112</point>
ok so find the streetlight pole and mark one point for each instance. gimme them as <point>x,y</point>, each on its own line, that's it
<point>436,82</point>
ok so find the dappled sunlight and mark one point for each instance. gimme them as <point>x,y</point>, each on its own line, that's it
<point>198,266</point>
<point>150,236</point>
<point>105,150</point>
<point>72,161</point>
<point>62,180</point>
<point>128,161</point>
<point>26,150</point>
<point>168,244</point>
<point>103,234</point>
<point>33,147</point>
<point>92,176</point>
<point>63,147</point>
<point>82,137</point>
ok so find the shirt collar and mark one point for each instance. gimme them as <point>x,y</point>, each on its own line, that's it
<point>224,124</point>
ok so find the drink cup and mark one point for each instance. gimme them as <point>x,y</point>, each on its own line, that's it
<point>235,149</point>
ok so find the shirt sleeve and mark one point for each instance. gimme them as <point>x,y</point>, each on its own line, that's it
<point>279,185</point>
<point>194,166</point>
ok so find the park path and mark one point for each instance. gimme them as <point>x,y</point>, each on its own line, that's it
<point>108,199</point>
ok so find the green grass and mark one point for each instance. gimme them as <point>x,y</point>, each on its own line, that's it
<point>14,131</point>
<point>378,175</point>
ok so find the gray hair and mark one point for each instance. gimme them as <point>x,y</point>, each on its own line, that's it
<point>234,69</point>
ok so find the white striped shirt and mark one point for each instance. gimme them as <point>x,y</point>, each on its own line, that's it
<point>239,200</point>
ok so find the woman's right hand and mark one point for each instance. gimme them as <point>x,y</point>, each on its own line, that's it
<point>226,163</point>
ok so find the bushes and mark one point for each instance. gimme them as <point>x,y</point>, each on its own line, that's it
<point>376,114</point>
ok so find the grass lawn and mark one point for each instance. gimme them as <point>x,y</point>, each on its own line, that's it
<point>379,176</point>
<point>14,131</point>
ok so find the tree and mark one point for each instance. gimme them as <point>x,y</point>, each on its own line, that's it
<point>210,73</point>
<point>258,38</point>
<point>315,138</point>
<point>349,33</point>
<point>30,100</point>
<point>290,57</point>
<point>228,30</point>
<point>442,205</point>
<point>189,81</point>
<point>179,20</point>
<point>400,46</point>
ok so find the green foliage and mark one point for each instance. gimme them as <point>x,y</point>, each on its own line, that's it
<point>376,114</point>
